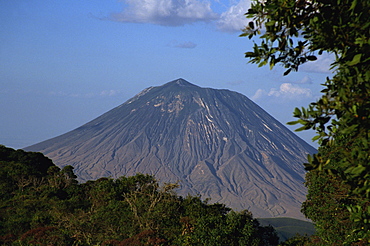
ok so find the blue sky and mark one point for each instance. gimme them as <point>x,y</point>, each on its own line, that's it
<point>64,63</point>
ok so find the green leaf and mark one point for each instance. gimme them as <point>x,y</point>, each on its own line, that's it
<point>305,127</point>
<point>355,171</point>
<point>271,65</point>
<point>297,112</point>
<point>250,54</point>
<point>356,59</point>
<point>353,5</point>
<point>316,138</point>
<point>262,63</point>
<point>292,122</point>
<point>309,158</point>
<point>270,23</point>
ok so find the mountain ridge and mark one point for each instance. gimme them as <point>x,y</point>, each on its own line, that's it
<point>216,143</point>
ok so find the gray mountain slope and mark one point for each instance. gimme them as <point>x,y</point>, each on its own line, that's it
<point>216,143</point>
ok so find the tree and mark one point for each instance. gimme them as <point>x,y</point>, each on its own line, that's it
<point>293,32</point>
<point>215,224</point>
<point>45,205</point>
<point>326,205</point>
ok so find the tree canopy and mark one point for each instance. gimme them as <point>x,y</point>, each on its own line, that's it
<point>41,204</point>
<point>293,32</point>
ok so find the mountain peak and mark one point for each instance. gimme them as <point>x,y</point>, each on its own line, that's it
<point>180,82</point>
<point>215,143</point>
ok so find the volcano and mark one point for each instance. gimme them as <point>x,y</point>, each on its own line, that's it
<point>214,143</point>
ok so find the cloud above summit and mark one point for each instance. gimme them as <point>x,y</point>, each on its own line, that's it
<point>165,12</point>
<point>228,18</point>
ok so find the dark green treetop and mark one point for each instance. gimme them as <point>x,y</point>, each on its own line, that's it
<point>41,204</point>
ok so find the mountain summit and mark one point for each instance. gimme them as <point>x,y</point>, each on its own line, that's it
<point>216,143</point>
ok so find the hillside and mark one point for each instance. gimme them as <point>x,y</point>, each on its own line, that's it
<point>216,143</point>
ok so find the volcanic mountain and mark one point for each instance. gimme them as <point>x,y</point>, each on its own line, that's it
<point>216,143</point>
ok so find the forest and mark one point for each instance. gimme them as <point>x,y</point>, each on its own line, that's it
<point>41,204</point>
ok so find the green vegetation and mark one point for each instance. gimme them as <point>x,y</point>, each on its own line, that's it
<point>291,33</point>
<point>41,204</point>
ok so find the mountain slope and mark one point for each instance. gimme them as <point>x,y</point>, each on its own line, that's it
<point>216,143</point>
<point>287,228</point>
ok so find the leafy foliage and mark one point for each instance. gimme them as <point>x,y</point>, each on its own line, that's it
<point>45,205</point>
<point>294,32</point>
<point>326,205</point>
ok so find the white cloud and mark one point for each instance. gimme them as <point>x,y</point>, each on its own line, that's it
<point>165,12</point>
<point>287,91</point>
<point>181,12</point>
<point>321,65</point>
<point>259,94</point>
<point>233,19</point>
